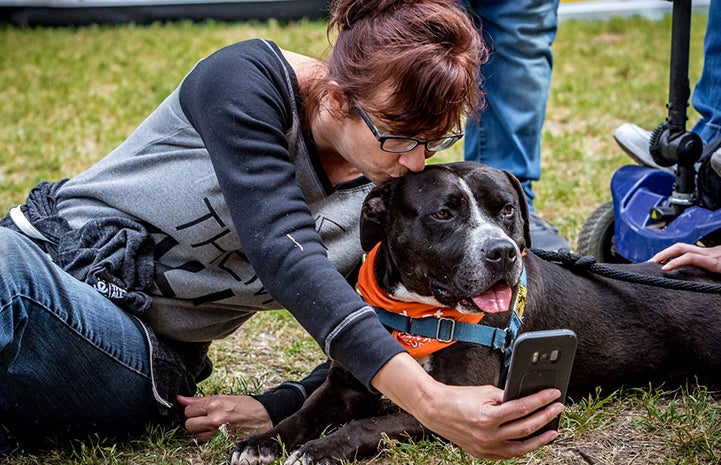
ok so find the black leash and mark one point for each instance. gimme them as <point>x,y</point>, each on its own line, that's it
<point>587,264</point>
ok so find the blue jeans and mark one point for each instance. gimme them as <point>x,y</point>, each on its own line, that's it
<point>706,98</point>
<point>70,360</point>
<point>516,81</point>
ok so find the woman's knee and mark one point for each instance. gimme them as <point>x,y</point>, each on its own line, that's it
<point>21,263</point>
<point>17,251</point>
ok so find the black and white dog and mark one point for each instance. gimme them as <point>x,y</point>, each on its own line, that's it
<point>456,236</point>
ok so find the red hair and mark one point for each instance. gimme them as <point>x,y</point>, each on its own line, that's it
<point>413,64</point>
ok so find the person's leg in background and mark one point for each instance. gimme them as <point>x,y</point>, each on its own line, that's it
<point>706,97</point>
<point>516,81</point>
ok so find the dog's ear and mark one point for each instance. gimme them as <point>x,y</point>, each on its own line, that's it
<point>523,205</point>
<point>373,217</point>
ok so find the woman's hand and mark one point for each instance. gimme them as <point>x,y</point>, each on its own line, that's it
<point>243,415</point>
<point>488,428</point>
<point>473,417</point>
<point>681,254</point>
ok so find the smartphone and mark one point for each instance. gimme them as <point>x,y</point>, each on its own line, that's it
<point>541,360</point>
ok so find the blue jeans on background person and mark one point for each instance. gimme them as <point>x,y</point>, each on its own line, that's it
<point>706,97</point>
<point>516,80</point>
<point>70,360</point>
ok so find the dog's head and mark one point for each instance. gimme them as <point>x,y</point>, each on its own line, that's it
<point>450,235</point>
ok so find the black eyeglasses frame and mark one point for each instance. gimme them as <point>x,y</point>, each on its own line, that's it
<point>431,145</point>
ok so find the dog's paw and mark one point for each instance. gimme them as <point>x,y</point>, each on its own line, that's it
<point>256,451</point>
<point>315,452</point>
<point>297,459</point>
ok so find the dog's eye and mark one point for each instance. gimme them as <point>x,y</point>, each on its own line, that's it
<point>507,211</point>
<point>442,214</point>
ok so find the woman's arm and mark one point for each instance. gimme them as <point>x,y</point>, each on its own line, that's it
<point>239,103</point>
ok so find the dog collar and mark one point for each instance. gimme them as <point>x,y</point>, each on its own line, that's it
<point>423,329</point>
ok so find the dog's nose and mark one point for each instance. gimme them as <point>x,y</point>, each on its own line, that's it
<point>499,252</point>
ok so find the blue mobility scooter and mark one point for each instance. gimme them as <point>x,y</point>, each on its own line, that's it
<point>654,208</point>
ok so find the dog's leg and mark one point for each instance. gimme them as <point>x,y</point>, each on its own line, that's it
<point>359,438</point>
<point>340,399</point>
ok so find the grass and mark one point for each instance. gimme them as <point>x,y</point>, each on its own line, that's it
<point>69,96</point>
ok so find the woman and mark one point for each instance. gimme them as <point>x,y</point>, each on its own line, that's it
<point>241,193</point>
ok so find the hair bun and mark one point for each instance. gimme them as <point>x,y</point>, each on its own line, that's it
<point>345,13</point>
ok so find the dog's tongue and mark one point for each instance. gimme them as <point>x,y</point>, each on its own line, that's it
<point>494,300</point>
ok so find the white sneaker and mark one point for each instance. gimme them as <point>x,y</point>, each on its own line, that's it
<point>716,161</point>
<point>634,141</point>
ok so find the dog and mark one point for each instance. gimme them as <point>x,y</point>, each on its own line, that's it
<point>457,236</point>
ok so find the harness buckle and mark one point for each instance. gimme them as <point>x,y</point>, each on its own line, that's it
<point>450,330</point>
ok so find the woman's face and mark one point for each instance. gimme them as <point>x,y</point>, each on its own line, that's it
<point>361,147</point>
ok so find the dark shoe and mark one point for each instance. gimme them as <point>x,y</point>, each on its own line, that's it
<point>545,236</point>
<point>634,141</point>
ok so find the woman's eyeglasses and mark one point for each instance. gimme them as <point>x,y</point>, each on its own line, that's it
<point>400,144</point>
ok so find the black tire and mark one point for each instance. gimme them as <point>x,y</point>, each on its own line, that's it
<point>596,236</point>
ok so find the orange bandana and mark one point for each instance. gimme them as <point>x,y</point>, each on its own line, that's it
<point>417,346</point>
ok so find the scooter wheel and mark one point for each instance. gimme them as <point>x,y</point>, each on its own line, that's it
<point>597,235</point>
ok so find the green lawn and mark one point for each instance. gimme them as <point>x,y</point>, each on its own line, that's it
<point>69,96</point>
